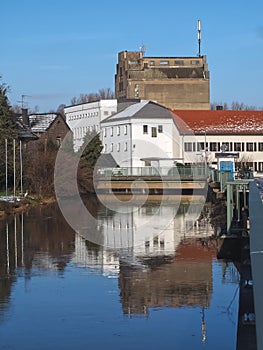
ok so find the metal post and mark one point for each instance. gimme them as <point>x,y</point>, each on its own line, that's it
<point>237,203</point>
<point>6,175</point>
<point>14,165</point>
<point>229,207</point>
<point>21,167</point>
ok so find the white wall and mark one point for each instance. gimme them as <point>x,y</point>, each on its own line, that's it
<point>86,117</point>
<point>128,140</point>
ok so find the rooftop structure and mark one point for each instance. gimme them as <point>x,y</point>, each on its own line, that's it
<point>175,82</point>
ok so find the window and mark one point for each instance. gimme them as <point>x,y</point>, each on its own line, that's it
<point>118,130</point>
<point>125,147</point>
<point>179,62</point>
<point>145,129</point>
<point>125,129</point>
<point>250,147</point>
<point>105,147</point>
<point>58,141</point>
<point>163,63</point>
<point>106,112</point>
<point>237,146</point>
<point>111,147</point>
<point>154,132</point>
<point>160,128</point>
<point>201,146</point>
<point>194,62</point>
<point>133,62</point>
<point>225,147</point>
<point>188,147</point>
<point>213,146</point>
<point>111,131</point>
<point>260,166</point>
<point>152,63</point>
<point>260,146</point>
<point>118,147</point>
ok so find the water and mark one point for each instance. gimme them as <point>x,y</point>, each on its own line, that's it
<point>59,290</point>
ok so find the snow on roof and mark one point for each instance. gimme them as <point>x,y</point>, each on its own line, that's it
<point>219,121</point>
<point>41,122</point>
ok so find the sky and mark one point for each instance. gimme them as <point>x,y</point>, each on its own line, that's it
<point>54,50</point>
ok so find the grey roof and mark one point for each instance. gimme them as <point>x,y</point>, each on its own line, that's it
<point>106,160</point>
<point>41,122</point>
<point>143,109</point>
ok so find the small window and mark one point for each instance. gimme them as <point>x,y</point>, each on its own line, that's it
<point>152,63</point>
<point>145,129</point>
<point>118,147</point>
<point>106,112</point>
<point>111,147</point>
<point>188,147</point>
<point>105,147</point>
<point>213,146</point>
<point>260,146</point>
<point>237,146</point>
<point>179,62</point>
<point>154,132</point>
<point>194,62</point>
<point>164,63</point>
<point>160,128</point>
<point>111,131</point>
<point>125,129</point>
<point>58,141</point>
<point>118,130</point>
<point>250,147</point>
<point>133,62</point>
<point>125,146</point>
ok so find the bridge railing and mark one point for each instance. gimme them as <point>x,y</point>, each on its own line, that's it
<point>171,172</point>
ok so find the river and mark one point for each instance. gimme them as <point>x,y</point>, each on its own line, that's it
<point>136,277</point>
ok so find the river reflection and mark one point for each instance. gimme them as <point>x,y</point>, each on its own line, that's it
<point>170,269</point>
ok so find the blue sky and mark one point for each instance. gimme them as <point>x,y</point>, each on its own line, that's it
<point>55,50</point>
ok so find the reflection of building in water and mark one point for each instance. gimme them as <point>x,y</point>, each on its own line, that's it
<point>182,280</point>
<point>150,229</point>
<point>93,256</point>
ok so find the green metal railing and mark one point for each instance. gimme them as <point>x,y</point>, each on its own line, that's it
<point>172,172</point>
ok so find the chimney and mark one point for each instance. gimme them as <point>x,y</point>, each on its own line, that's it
<point>25,117</point>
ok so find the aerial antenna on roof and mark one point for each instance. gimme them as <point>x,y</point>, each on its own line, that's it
<point>199,37</point>
<point>23,104</point>
<point>143,49</point>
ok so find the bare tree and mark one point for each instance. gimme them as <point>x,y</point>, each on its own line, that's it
<point>103,94</point>
<point>235,105</point>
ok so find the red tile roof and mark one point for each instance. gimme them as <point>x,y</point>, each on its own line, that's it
<point>218,121</point>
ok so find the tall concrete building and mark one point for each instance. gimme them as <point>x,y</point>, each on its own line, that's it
<point>175,82</point>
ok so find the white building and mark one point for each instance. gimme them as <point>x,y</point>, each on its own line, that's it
<point>86,117</point>
<point>138,133</point>
<point>147,134</point>
<point>217,130</point>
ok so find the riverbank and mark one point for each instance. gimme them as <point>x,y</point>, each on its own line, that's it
<point>22,204</point>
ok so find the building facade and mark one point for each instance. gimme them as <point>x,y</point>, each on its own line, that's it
<point>50,129</point>
<point>147,134</point>
<point>175,82</point>
<point>210,132</point>
<point>142,130</point>
<point>86,117</point>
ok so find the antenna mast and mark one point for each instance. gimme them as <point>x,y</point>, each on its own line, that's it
<point>199,37</point>
<point>23,100</point>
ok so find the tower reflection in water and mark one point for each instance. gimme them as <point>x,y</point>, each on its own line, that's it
<point>171,267</point>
